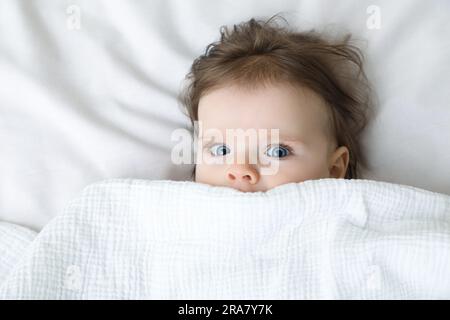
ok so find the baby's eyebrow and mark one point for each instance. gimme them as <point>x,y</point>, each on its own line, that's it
<point>210,138</point>
<point>208,141</point>
<point>281,136</point>
<point>290,138</point>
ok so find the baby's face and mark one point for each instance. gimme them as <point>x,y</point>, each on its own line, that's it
<point>304,150</point>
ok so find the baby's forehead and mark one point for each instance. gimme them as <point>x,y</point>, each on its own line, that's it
<point>295,110</point>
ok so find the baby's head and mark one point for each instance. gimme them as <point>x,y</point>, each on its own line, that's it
<point>262,77</point>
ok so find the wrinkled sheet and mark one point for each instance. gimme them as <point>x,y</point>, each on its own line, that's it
<point>83,105</point>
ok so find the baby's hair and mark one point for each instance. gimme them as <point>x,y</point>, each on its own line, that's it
<point>256,52</point>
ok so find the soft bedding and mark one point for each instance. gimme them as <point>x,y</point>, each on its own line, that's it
<point>319,239</point>
<point>88,89</point>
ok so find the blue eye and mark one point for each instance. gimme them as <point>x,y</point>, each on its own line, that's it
<point>219,150</point>
<point>277,151</point>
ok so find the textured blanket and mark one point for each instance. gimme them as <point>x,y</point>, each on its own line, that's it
<point>320,239</point>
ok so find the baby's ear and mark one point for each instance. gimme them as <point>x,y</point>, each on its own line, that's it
<point>339,162</point>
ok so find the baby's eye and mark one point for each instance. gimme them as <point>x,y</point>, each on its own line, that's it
<point>277,151</point>
<point>219,150</point>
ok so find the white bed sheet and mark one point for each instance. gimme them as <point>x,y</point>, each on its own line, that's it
<point>77,106</point>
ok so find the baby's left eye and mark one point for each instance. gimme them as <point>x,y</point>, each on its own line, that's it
<point>219,150</point>
<point>277,151</point>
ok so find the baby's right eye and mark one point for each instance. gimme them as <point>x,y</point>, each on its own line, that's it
<point>219,150</point>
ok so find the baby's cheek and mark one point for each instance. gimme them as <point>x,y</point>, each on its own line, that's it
<point>201,173</point>
<point>296,171</point>
<point>209,174</point>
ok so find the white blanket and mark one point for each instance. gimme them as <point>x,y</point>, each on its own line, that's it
<point>321,239</point>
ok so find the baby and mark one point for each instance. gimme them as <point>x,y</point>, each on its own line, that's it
<point>310,95</point>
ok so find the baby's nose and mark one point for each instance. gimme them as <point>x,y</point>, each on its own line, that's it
<point>242,173</point>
